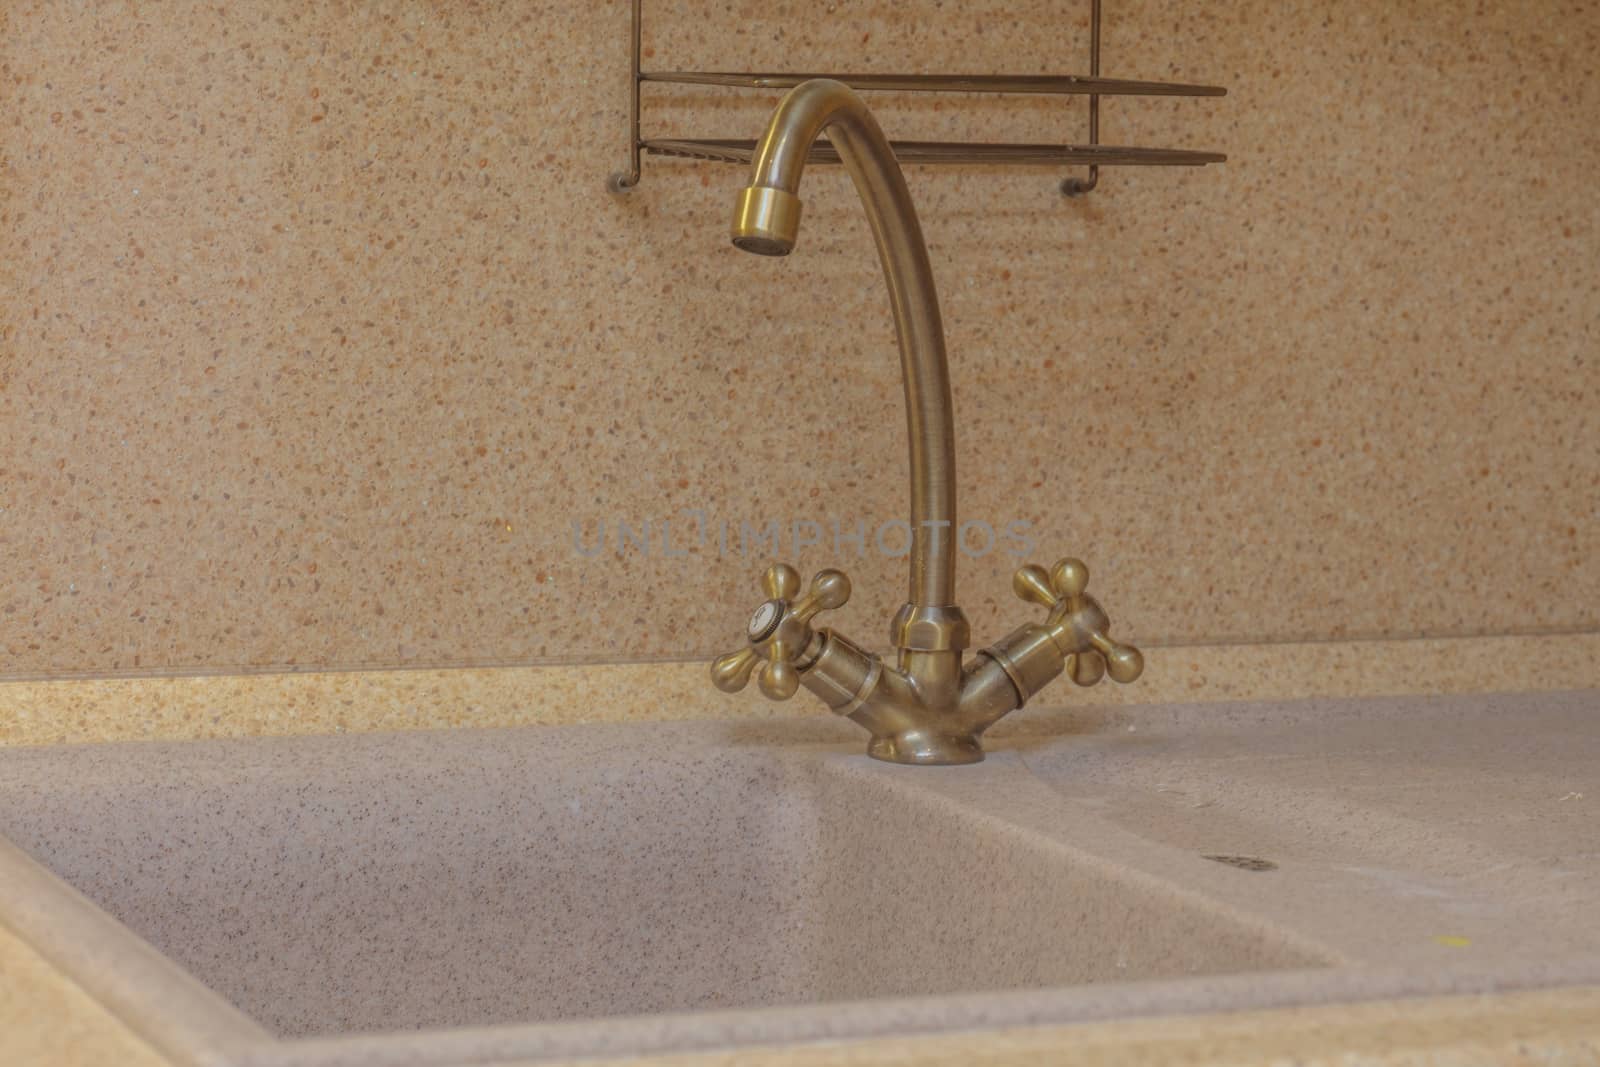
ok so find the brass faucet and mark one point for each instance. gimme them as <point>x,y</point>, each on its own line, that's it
<point>926,708</point>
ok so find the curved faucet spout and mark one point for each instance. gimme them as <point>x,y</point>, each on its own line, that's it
<point>925,706</point>
<point>767,222</point>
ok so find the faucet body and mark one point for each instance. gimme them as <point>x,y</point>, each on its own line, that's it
<point>926,707</point>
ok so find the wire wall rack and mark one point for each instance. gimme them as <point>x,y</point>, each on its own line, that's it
<point>1091,154</point>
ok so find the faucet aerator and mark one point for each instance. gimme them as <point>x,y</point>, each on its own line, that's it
<point>766,221</point>
<point>762,246</point>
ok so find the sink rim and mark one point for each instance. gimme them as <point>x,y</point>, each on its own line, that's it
<point>190,1023</point>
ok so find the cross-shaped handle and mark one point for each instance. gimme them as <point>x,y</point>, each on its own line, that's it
<point>779,680</point>
<point>1078,617</point>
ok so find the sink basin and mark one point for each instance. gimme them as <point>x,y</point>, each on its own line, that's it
<point>479,895</point>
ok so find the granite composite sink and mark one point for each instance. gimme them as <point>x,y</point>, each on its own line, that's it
<point>470,896</point>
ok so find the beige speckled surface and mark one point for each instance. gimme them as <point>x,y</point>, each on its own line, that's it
<point>48,1021</point>
<point>1422,846</point>
<point>318,332</point>
<point>52,1024</point>
<point>171,708</point>
<point>321,330</point>
<point>1551,1029</point>
<point>665,879</point>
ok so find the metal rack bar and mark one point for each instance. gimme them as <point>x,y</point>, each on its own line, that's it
<point>741,151</point>
<point>1063,84</point>
<point>621,181</point>
<point>1093,155</point>
<point>1079,186</point>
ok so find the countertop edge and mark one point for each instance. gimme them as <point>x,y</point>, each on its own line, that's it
<point>1547,1027</point>
<point>182,707</point>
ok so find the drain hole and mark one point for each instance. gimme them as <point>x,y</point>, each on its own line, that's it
<point>1244,863</point>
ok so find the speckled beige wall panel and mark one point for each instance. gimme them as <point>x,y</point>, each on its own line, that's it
<point>320,330</point>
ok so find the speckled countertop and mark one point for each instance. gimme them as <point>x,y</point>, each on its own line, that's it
<point>57,711</point>
<point>54,1024</point>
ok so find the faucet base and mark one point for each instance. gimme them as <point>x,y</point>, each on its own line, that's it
<point>926,750</point>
